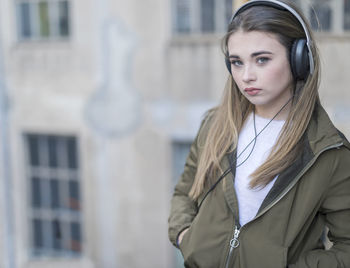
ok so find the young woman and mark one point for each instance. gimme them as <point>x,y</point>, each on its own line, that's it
<point>267,171</point>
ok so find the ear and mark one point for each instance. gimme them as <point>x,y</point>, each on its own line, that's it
<point>299,60</point>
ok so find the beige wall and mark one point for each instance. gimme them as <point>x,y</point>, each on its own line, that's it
<point>335,79</point>
<point>126,181</point>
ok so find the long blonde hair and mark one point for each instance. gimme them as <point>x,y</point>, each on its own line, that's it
<point>228,118</point>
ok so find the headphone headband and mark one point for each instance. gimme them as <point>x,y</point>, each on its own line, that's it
<point>282,6</point>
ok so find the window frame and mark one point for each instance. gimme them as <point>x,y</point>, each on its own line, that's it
<point>337,21</point>
<point>195,14</point>
<point>65,215</point>
<point>55,31</point>
<point>337,17</point>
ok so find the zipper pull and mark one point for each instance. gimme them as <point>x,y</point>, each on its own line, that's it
<point>234,243</point>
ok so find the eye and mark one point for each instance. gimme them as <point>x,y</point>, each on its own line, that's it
<point>262,60</point>
<point>236,62</point>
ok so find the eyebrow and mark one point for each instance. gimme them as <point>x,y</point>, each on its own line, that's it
<point>255,54</point>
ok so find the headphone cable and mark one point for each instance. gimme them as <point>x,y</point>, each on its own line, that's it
<point>230,168</point>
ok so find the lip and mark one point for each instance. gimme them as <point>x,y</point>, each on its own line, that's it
<point>252,91</point>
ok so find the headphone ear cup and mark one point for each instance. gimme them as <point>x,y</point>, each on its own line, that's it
<point>299,60</point>
<point>228,64</point>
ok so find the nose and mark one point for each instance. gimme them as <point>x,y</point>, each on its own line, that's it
<point>248,73</point>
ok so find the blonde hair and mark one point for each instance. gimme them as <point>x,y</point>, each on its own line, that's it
<point>227,119</point>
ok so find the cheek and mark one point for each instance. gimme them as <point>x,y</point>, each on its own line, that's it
<point>237,79</point>
<point>280,73</point>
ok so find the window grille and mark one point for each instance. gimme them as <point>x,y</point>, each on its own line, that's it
<point>209,16</point>
<point>201,16</point>
<point>320,15</point>
<point>54,195</point>
<point>43,19</point>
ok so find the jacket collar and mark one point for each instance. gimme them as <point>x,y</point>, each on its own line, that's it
<point>320,135</point>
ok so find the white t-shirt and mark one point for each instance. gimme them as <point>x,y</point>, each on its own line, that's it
<point>250,200</point>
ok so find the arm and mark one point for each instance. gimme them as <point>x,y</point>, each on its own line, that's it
<point>336,207</point>
<point>183,208</point>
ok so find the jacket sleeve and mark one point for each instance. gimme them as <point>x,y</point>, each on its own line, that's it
<point>336,208</point>
<point>184,209</point>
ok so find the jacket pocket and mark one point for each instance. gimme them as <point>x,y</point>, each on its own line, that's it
<point>182,245</point>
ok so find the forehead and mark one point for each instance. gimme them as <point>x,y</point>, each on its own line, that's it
<point>252,41</point>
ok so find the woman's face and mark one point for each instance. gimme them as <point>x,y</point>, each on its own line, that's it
<point>261,70</point>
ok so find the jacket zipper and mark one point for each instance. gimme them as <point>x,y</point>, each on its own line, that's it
<point>234,242</point>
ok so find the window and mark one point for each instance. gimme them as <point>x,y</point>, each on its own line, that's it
<point>180,150</point>
<point>209,16</point>
<point>320,15</point>
<point>327,15</point>
<point>201,16</point>
<point>54,195</point>
<point>182,16</point>
<point>347,15</point>
<point>43,19</point>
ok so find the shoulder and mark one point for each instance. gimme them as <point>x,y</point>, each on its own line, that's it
<point>207,122</point>
<point>334,163</point>
<point>345,140</point>
<point>322,134</point>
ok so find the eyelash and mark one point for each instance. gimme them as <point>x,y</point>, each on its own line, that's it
<point>260,61</point>
<point>236,62</point>
<point>264,60</point>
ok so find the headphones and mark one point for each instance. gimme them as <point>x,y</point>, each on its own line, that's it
<point>301,58</point>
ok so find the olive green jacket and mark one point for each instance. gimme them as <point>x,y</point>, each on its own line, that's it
<point>287,231</point>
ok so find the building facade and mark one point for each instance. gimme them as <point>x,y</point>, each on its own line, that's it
<point>100,101</point>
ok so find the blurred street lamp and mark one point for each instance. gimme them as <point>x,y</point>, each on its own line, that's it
<point>112,112</point>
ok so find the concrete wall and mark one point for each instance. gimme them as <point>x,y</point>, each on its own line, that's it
<point>126,179</point>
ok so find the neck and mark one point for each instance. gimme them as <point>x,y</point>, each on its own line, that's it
<point>279,113</point>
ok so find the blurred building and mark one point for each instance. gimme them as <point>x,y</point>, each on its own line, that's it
<point>100,101</point>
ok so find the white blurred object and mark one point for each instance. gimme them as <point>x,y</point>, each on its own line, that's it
<point>114,109</point>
